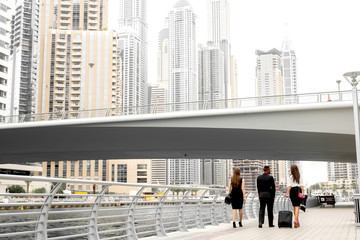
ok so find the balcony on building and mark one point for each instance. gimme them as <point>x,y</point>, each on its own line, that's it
<point>76,53</point>
<point>65,9</point>
<point>75,97</point>
<point>65,21</point>
<point>92,15</point>
<point>93,3</point>
<point>65,3</point>
<point>60,72</point>
<point>92,27</point>
<point>76,47</point>
<point>60,53</point>
<point>61,40</point>
<point>64,27</point>
<point>93,10</point>
<point>65,15</point>
<point>58,59</point>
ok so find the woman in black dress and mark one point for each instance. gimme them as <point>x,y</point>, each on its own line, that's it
<point>238,196</point>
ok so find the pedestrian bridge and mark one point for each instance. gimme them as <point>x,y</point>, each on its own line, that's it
<point>195,213</point>
<point>316,223</point>
<point>319,130</point>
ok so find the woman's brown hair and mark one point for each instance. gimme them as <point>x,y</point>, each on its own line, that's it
<point>295,173</point>
<point>235,179</point>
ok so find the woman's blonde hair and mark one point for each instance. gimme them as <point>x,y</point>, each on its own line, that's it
<point>295,173</point>
<point>236,177</point>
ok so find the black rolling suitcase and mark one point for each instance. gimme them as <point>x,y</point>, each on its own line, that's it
<point>285,218</point>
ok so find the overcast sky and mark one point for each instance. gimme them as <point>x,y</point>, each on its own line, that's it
<point>325,36</point>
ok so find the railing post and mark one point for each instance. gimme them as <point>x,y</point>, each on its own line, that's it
<point>130,223</point>
<point>245,207</point>
<point>22,118</point>
<point>199,221</point>
<point>205,103</point>
<point>44,214</point>
<point>182,223</point>
<point>213,214</point>
<point>107,112</point>
<point>93,230</point>
<point>252,208</point>
<point>226,216</point>
<point>159,227</point>
<point>276,204</point>
<point>154,109</point>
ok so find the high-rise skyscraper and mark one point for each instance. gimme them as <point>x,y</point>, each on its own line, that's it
<point>218,20</point>
<point>158,92</point>
<point>288,62</point>
<point>211,76</point>
<point>234,78</point>
<point>158,97</point>
<point>183,86</point>
<point>158,171</point>
<point>163,71</point>
<point>23,57</point>
<point>183,171</point>
<point>269,76</point>
<point>219,36</point>
<point>341,171</point>
<point>215,172</point>
<point>5,18</point>
<point>78,70</point>
<point>250,170</point>
<point>133,47</point>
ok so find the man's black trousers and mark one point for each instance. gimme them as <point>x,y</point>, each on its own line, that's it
<point>269,202</point>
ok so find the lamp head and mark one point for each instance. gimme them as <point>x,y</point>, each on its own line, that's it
<point>352,77</point>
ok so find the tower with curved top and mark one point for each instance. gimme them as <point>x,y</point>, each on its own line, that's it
<point>183,85</point>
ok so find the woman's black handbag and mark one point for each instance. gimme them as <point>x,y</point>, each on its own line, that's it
<point>228,199</point>
<point>303,204</point>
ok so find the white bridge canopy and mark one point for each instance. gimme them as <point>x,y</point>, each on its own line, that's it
<point>307,132</point>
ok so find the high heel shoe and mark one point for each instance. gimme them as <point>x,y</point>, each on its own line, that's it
<point>240,224</point>
<point>234,225</point>
<point>295,224</point>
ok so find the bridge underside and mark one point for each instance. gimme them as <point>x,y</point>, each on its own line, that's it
<point>317,132</point>
<point>136,143</point>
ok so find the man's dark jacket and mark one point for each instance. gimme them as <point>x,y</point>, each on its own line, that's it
<point>266,186</point>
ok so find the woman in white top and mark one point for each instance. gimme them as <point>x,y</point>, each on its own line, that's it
<point>295,187</point>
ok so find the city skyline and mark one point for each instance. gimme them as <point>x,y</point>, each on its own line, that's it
<point>249,32</point>
<point>242,68</point>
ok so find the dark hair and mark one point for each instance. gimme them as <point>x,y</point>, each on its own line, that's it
<point>266,168</point>
<point>295,173</point>
<point>236,177</point>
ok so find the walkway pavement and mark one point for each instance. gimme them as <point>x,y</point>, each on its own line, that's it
<point>316,224</point>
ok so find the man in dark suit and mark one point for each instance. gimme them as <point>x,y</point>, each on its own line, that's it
<point>266,191</point>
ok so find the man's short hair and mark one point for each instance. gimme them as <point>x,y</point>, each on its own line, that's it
<point>266,168</point>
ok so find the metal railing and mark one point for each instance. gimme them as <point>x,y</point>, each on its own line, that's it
<point>114,216</point>
<point>186,106</point>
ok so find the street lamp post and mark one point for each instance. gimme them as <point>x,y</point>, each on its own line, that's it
<point>353,78</point>
<point>338,82</point>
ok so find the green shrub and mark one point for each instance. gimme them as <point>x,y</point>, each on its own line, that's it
<point>39,190</point>
<point>16,189</point>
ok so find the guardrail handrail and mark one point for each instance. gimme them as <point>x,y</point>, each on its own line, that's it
<point>111,216</point>
<point>185,106</point>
